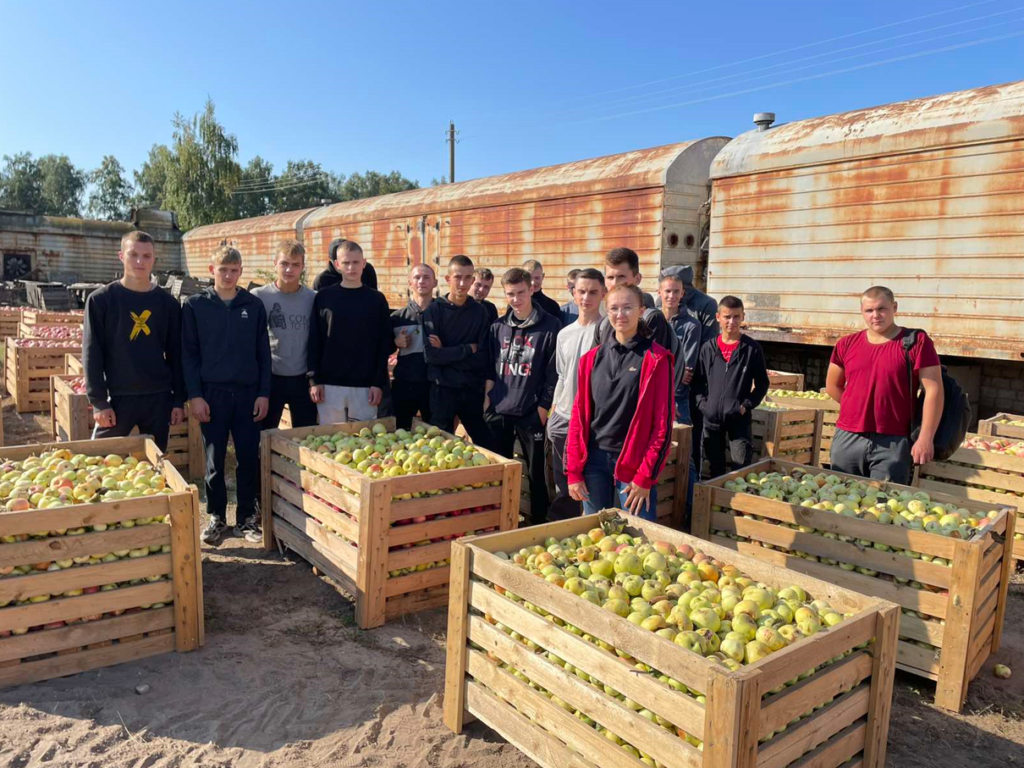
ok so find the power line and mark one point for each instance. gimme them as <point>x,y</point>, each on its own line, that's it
<point>278,187</point>
<point>253,185</point>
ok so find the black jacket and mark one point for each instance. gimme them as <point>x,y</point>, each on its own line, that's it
<point>223,346</point>
<point>412,365</point>
<point>331,275</point>
<point>350,338</point>
<point>523,363</point>
<point>721,388</point>
<point>454,364</point>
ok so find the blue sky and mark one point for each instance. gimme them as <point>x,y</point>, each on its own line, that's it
<point>361,86</point>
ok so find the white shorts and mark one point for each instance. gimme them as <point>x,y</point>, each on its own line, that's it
<point>345,404</point>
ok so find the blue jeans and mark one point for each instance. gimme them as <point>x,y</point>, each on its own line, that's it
<point>604,490</point>
<point>683,405</point>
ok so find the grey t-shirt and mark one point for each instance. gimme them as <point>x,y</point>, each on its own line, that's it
<point>573,342</point>
<point>288,316</point>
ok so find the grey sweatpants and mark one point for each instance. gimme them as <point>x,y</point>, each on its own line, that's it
<point>870,454</point>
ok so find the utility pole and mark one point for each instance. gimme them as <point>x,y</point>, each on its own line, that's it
<point>451,151</point>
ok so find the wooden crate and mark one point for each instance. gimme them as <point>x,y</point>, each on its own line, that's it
<point>29,370</point>
<point>783,380</point>
<point>830,414</point>
<point>672,484</point>
<point>950,625</point>
<point>742,708</point>
<point>73,365</point>
<point>71,418</point>
<point>995,427</point>
<point>984,476</point>
<point>353,528</point>
<point>40,317</point>
<point>37,330</point>
<point>10,319</point>
<point>789,433</point>
<point>72,633</point>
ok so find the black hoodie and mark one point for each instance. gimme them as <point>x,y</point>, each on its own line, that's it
<point>412,365</point>
<point>522,363</point>
<point>721,387</point>
<point>331,275</point>
<point>454,364</point>
<point>225,346</point>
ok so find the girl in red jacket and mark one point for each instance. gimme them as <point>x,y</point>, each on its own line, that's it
<point>621,424</point>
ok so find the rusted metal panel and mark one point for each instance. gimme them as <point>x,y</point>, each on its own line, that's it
<point>799,229</point>
<point>566,216</point>
<point>80,250</point>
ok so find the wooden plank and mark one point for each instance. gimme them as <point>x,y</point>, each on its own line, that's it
<point>917,660</point>
<point>914,628</point>
<point>317,486</point>
<point>963,595</point>
<point>59,666</point>
<point>458,632</point>
<point>817,729</point>
<point>413,556</point>
<point>1004,580</point>
<point>449,478</point>
<point>371,574</point>
<point>184,521</point>
<point>77,636</point>
<point>837,750</point>
<point>531,740</point>
<point>577,735</point>
<point>309,504</point>
<point>419,600</point>
<point>882,677</point>
<point>15,588</point>
<point>526,537</point>
<point>314,553</point>
<point>412,582</point>
<point>846,552</point>
<point>730,733</point>
<point>680,709</point>
<point>657,652</point>
<point>68,547</point>
<point>445,526</point>
<point>511,482</point>
<point>80,516</point>
<point>266,492</point>
<point>65,608</point>
<point>782,708</point>
<point>664,746</point>
<point>446,502</point>
<point>793,660</point>
<point>345,553</point>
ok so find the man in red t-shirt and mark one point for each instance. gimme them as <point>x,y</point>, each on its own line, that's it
<point>867,376</point>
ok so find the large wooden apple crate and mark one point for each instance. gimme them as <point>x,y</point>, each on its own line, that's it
<point>356,531</point>
<point>72,632</point>
<point>28,373</point>
<point>984,476</point>
<point>783,380</point>
<point>995,427</point>
<point>41,317</point>
<point>71,418</point>
<point>73,365</point>
<point>829,416</point>
<point>672,484</point>
<point>741,709</point>
<point>10,319</point>
<point>35,331</point>
<point>950,625</point>
<point>789,433</point>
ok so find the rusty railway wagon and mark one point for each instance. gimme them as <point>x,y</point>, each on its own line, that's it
<point>925,196</point>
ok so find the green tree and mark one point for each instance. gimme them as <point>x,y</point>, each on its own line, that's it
<point>63,186</point>
<point>151,178</point>
<point>254,195</point>
<point>21,183</point>
<point>203,173</point>
<point>372,183</point>
<point>303,184</point>
<point>111,196</point>
<point>436,182</point>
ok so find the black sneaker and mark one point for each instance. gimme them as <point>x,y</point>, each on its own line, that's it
<point>250,530</point>
<point>213,531</point>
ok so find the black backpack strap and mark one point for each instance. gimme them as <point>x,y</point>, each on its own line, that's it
<point>909,340</point>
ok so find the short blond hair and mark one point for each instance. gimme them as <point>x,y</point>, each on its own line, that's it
<point>290,248</point>
<point>878,292</point>
<point>226,254</point>
<point>135,236</point>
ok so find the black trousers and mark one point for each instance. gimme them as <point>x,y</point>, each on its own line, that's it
<point>467,404</point>
<point>697,443</point>
<point>734,436</point>
<point>292,391</point>
<point>231,416</point>
<point>410,398</point>
<point>150,413</point>
<point>503,431</point>
<point>562,506</point>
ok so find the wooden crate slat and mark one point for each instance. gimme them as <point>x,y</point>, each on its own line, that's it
<point>992,428</point>
<point>797,741</point>
<point>15,588</point>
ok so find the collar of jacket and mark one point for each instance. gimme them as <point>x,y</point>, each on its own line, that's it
<point>242,297</point>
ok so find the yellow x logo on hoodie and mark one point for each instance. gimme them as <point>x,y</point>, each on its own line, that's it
<point>140,324</point>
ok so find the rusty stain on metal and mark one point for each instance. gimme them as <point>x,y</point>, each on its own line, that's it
<point>566,216</point>
<point>925,197</point>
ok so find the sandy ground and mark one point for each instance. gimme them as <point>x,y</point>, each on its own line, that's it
<point>285,679</point>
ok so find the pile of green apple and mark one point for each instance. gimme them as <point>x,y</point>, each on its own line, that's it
<point>59,478</point>
<point>1011,422</point>
<point>809,395</point>
<point>703,605</point>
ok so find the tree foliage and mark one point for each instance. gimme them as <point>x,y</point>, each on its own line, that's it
<point>111,195</point>
<point>63,186</point>
<point>372,183</point>
<point>21,183</point>
<point>255,195</point>
<point>151,178</point>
